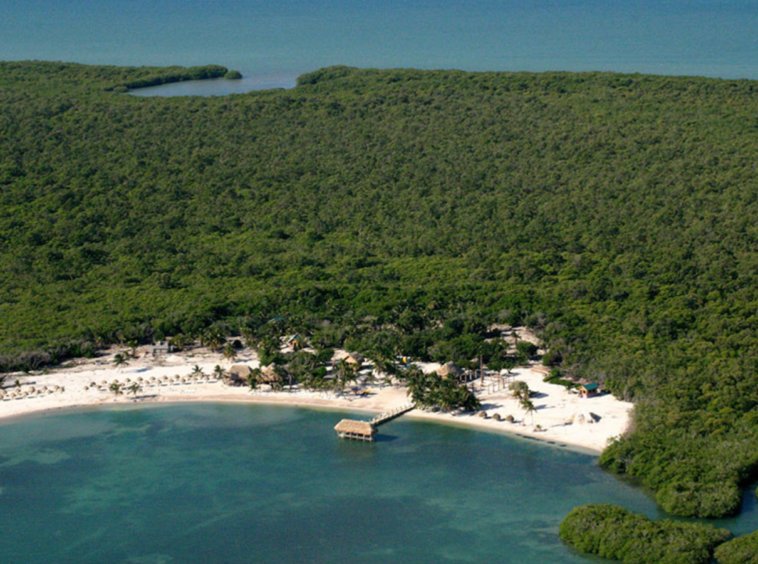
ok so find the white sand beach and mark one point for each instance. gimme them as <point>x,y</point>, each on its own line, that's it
<point>561,417</point>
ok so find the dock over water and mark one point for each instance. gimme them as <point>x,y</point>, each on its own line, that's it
<point>365,430</point>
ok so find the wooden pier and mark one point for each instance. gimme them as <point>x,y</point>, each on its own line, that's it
<point>390,415</point>
<point>365,430</point>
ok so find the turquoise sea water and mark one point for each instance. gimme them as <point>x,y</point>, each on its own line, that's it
<point>272,42</point>
<point>241,483</point>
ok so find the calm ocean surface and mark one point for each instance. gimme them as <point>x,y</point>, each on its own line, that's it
<point>243,483</point>
<point>272,42</point>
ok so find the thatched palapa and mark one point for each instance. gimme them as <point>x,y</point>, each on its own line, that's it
<point>238,374</point>
<point>269,375</point>
<point>356,359</point>
<point>450,369</point>
<point>353,429</point>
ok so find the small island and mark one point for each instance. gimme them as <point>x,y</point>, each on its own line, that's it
<point>617,534</point>
<point>402,214</point>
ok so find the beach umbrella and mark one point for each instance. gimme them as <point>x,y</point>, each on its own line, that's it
<point>92,385</point>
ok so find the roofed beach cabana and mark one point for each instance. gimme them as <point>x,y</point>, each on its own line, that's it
<point>589,390</point>
<point>358,430</point>
<point>450,369</point>
<point>270,375</point>
<point>296,342</point>
<point>354,359</point>
<point>161,348</point>
<point>238,374</point>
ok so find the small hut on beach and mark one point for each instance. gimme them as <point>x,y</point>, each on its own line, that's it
<point>589,390</point>
<point>355,359</point>
<point>357,430</point>
<point>161,348</point>
<point>269,375</point>
<point>296,342</point>
<point>238,375</point>
<point>450,370</point>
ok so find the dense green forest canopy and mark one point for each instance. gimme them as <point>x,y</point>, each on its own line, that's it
<point>617,534</point>
<point>614,212</point>
<point>742,550</point>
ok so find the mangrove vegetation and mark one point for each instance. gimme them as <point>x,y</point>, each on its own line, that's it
<point>406,212</point>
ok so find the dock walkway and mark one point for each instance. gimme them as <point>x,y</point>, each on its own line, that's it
<point>365,430</point>
<point>390,415</point>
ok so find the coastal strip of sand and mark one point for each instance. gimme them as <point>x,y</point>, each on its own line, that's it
<point>561,417</point>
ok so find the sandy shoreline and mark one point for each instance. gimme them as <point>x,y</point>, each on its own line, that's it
<point>564,418</point>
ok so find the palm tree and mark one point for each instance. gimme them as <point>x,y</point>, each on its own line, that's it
<point>135,389</point>
<point>197,371</point>
<point>345,374</point>
<point>115,387</point>
<point>252,380</point>
<point>219,372</point>
<point>120,359</point>
<point>214,343</point>
<point>284,372</point>
<point>229,353</point>
<point>528,406</point>
<point>384,363</point>
<point>300,367</point>
<point>520,390</point>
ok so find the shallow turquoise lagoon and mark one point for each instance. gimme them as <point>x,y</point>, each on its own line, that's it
<point>248,483</point>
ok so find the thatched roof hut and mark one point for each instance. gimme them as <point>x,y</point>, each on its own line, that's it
<point>356,359</point>
<point>450,369</point>
<point>352,429</point>
<point>238,374</point>
<point>269,375</point>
